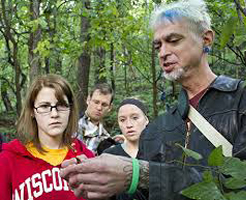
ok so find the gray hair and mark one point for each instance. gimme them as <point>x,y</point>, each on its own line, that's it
<point>193,11</point>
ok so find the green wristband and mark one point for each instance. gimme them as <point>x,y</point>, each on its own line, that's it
<point>135,176</point>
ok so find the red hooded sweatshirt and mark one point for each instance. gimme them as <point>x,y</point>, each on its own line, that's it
<point>24,177</point>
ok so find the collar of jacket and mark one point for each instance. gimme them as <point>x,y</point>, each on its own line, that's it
<point>225,83</point>
<point>86,117</point>
<point>222,83</point>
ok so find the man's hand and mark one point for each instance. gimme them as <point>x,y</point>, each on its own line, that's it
<point>98,178</point>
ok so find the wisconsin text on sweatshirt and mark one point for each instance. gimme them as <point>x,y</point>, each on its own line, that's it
<point>25,177</point>
<point>39,183</point>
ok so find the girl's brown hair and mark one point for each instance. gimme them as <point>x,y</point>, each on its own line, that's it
<point>27,128</point>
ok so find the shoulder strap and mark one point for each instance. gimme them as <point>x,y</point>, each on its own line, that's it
<point>209,131</point>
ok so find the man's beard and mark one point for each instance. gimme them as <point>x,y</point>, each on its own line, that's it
<point>175,75</point>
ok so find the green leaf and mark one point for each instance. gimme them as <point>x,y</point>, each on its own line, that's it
<point>236,196</point>
<point>240,34</point>
<point>203,191</point>
<point>42,22</point>
<point>207,176</point>
<point>191,153</point>
<point>216,157</point>
<point>234,167</point>
<point>234,183</point>
<point>227,31</point>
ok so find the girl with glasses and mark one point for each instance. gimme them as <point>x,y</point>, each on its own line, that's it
<point>30,165</point>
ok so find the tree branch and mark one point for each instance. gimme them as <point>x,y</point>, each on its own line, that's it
<point>243,10</point>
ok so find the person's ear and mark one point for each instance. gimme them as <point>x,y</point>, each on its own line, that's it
<point>208,38</point>
<point>147,121</point>
<point>32,115</point>
<point>88,100</point>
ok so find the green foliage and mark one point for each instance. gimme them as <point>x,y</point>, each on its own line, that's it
<point>206,190</point>
<point>191,153</point>
<point>120,26</point>
<point>227,30</point>
<point>234,167</point>
<point>236,196</point>
<point>7,125</point>
<point>235,183</point>
<point>207,176</point>
<point>226,172</point>
<point>216,157</point>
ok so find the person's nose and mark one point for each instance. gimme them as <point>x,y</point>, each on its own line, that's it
<point>53,112</point>
<point>129,123</point>
<point>164,51</point>
<point>99,106</point>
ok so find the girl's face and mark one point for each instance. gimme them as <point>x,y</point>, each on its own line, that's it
<point>132,121</point>
<point>51,116</point>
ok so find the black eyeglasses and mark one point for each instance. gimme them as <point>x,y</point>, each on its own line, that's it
<point>48,108</point>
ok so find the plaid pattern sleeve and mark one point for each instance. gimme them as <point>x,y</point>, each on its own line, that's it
<point>91,134</point>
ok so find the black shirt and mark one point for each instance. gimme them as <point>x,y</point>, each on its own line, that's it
<point>138,195</point>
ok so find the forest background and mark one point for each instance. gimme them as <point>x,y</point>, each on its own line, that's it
<point>91,41</point>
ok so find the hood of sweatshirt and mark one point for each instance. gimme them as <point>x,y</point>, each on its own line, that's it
<point>16,147</point>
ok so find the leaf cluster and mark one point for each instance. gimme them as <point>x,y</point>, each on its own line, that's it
<point>226,179</point>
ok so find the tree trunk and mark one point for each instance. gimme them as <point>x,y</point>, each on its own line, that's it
<point>84,61</point>
<point>5,18</point>
<point>154,83</point>
<point>112,67</point>
<point>34,38</point>
<point>47,65</point>
<point>17,79</point>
